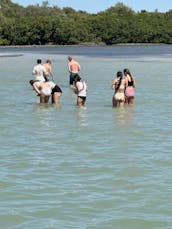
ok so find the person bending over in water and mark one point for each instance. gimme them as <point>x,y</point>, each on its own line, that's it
<point>45,89</point>
<point>119,86</point>
<point>81,90</point>
<point>73,68</point>
<point>130,87</point>
<point>56,93</point>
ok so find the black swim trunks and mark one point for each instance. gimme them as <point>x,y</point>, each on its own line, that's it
<point>56,89</point>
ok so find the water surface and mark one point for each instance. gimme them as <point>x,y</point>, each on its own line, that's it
<point>99,167</point>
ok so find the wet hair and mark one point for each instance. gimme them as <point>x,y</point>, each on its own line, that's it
<point>32,82</point>
<point>120,76</point>
<point>39,61</point>
<point>127,72</point>
<point>77,78</point>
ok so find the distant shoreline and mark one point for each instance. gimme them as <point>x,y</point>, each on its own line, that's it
<point>10,55</point>
<point>82,45</point>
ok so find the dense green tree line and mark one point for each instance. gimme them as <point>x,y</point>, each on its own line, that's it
<point>41,25</point>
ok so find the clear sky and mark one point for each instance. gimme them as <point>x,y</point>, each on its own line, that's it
<point>94,6</point>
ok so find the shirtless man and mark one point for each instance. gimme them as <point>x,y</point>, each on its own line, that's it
<point>73,68</point>
<point>48,71</point>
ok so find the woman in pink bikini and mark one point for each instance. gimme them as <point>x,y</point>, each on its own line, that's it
<point>130,87</point>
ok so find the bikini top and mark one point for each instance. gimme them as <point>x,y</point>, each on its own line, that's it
<point>130,83</point>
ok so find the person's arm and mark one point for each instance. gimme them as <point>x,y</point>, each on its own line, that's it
<point>34,71</point>
<point>86,87</point>
<point>79,67</point>
<point>134,83</point>
<point>36,88</point>
<point>69,67</point>
<point>52,76</point>
<point>51,73</point>
<point>113,84</point>
<point>126,82</point>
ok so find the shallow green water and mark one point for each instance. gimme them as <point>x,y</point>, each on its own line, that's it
<point>99,167</point>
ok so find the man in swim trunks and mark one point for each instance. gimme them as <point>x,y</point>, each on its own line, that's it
<point>73,68</point>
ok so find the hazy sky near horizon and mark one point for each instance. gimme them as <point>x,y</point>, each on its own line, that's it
<point>94,6</point>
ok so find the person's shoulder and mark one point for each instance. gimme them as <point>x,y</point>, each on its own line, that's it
<point>78,83</point>
<point>85,83</point>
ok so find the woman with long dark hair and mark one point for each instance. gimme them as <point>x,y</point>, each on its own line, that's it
<point>119,86</point>
<point>130,87</point>
<point>81,90</point>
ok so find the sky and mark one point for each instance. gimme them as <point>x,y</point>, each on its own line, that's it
<point>95,6</point>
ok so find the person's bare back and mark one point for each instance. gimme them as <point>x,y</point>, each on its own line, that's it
<point>48,70</point>
<point>73,65</point>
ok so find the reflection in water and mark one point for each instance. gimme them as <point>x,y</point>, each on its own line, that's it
<point>43,107</point>
<point>46,106</point>
<point>124,116</point>
<point>44,114</point>
<point>82,116</point>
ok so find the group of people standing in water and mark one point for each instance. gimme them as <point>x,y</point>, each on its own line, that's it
<point>45,87</point>
<point>124,85</point>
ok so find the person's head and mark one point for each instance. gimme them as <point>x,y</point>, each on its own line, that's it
<point>39,61</point>
<point>69,58</point>
<point>77,78</point>
<point>48,61</point>
<point>119,74</point>
<point>31,82</point>
<point>126,71</point>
